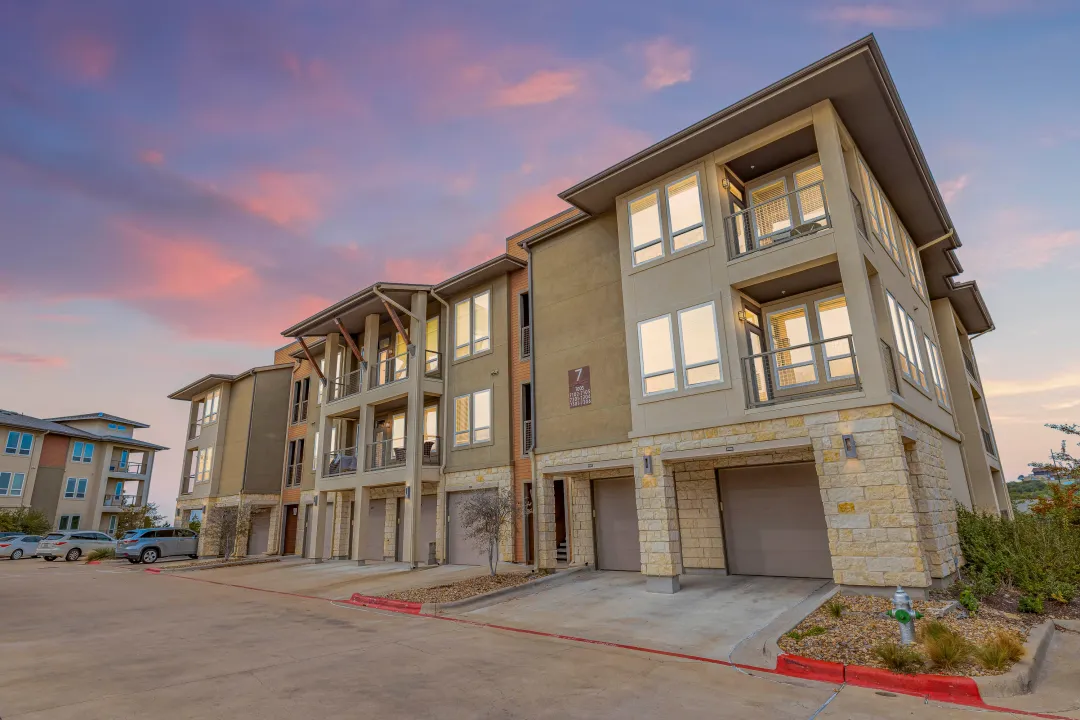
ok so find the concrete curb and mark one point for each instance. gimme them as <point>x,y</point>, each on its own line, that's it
<point>502,595</point>
<point>1021,677</point>
<point>761,650</point>
<point>214,566</point>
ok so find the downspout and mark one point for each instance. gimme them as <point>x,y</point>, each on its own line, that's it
<point>532,404</point>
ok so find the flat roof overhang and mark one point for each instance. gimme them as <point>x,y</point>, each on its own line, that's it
<point>208,382</point>
<point>493,268</point>
<point>353,309</point>
<point>861,89</point>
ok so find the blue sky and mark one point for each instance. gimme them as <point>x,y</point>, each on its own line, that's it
<point>179,182</point>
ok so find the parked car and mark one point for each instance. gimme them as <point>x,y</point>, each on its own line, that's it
<point>148,544</point>
<point>73,544</point>
<point>9,534</point>
<point>17,547</point>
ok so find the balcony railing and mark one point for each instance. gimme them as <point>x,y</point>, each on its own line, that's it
<point>390,370</point>
<point>824,367</point>
<point>526,341</point>
<point>988,442</point>
<point>122,501</point>
<point>969,363</point>
<point>773,222</point>
<point>433,363</point>
<point>386,453</point>
<point>860,218</point>
<point>293,474</point>
<point>432,450</point>
<point>346,385</point>
<point>132,468</point>
<point>340,462</point>
<point>299,412</point>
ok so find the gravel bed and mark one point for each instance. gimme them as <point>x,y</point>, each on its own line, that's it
<point>463,589</point>
<point>851,638</point>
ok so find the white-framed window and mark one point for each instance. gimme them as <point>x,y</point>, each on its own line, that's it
<point>82,452</point>
<point>19,443</point>
<point>881,215</point>
<point>810,198</point>
<point>11,484</point>
<point>657,352</point>
<point>204,465</point>
<point>905,334</point>
<point>915,271</point>
<point>75,488</point>
<point>913,335</point>
<point>833,322</point>
<point>472,325</point>
<point>112,524</point>
<point>69,522</point>
<point>686,213</point>
<point>789,336</point>
<point>937,370</point>
<point>472,418</point>
<point>210,405</point>
<point>771,213</point>
<point>700,345</point>
<point>646,235</point>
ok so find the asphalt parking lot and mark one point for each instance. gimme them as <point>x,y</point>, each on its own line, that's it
<point>89,642</point>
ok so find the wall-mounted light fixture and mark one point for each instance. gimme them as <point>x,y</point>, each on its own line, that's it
<point>742,316</point>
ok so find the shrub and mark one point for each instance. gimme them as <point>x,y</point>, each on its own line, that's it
<point>835,607</point>
<point>24,520</point>
<point>932,629</point>
<point>899,658</point>
<point>945,648</point>
<point>812,632</point>
<point>101,554</point>
<point>1030,604</point>
<point>996,654</point>
<point>969,602</point>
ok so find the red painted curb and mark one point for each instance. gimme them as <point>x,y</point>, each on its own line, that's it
<point>810,669</point>
<point>402,606</point>
<point>155,571</point>
<point>93,562</point>
<point>961,690</point>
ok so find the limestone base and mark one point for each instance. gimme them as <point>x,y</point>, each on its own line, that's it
<point>664,585</point>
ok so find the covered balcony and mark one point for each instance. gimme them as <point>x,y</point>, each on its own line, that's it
<point>129,462</point>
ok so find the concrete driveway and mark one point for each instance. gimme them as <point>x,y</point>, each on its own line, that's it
<point>336,579</point>
<point>709,617</point>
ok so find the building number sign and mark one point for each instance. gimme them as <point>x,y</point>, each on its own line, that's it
<point>580,387</point>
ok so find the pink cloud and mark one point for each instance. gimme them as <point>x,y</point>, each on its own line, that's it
<point>666,63</point>
<point>542,87</point>
<point>152,157</point>
<point>950,189</point>
<point>882,15</point>
<point>87,57</point>
<point>65,318</point>
<point>11,357</point>
<point>533,206</point>
<point>285,198</point>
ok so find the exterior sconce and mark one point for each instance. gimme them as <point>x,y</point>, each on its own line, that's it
<point>849,446</point>
<point>742,316</point>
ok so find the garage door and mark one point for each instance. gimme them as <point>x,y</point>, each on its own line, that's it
<point>617,545</point>
<point>259,534</point>
<point>429,506</point>
<point>460,550</point>
<point>375,530</point>
<point>774,522</point>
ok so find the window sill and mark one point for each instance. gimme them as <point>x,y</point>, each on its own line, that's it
<point>917,386</point>
<point>685,392</point>
<point>670,256</point>
<point>472,356</point>
<point>470,446</point>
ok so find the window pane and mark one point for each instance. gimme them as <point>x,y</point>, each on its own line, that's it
<point>481,321</point>
<point>461,329</point>
<point>88,452</point>
<point>771,212</point>
<point>833,317</point>
<point>645,221</point>
<point>76,451</point>
<point>431,421</point>
<point>74,523</point>
<point>684,203</point>
<point>688,238</point>
<point>26,444</point>
<point>656,351</point>
<point>811,200</point>
<point>5,482</point>
<point>703,374</point>
<point>650,253</point>
<point>868,191</point>
<point>660,383</point>
<point>482,415</point>
<point>790,329</point>
<point>697,330</point>
<point>461,420</point>
<point>12,442</point>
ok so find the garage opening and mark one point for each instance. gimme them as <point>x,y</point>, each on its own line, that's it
<point>459,549</point>
<point>374,530</point>
<point>259,532</point>
<point>774,522</point>
<point>616,525</point>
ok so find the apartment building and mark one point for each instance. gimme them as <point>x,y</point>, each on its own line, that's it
<point>750,354</point>
<point>80,470</point>
<point>231,478</point>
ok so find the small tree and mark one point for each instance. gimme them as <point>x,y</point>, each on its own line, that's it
<point>137,518</point>
<point>195,525</point>
<point>225,526</point>
<point>1063,500</point>
<point>484,515</point>
<point>25,520</point>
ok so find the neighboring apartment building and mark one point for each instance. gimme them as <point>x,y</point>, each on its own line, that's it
<point>80,470</point>
<point>770,366</point>
<point>232,458</point>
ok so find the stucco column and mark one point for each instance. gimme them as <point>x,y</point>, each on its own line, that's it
<point>544,517</point>
<point>319,518</point>
<point>860,301</point>
<point>360,523</point>
<point>144,486</point>
<point>658,525</point>
<point>411,551</point>
<point>390,527</point>
<point>440,524</point>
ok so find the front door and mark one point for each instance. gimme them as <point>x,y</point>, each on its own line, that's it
<point>759,374</point>
<point>291,517</point>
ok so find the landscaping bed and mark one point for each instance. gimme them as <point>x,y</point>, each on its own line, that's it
<point>863,625</point>
<point>1008,600</point>
<point>464,589</point>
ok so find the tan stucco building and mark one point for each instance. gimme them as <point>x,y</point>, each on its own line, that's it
<point>80,470</point>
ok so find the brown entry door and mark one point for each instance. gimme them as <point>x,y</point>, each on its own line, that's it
<point>774,522</point>
<point>617,545</point>
<point>291,516</point>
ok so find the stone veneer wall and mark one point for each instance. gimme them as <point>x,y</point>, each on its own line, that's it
<point>342,525</point>
<point>500,477</point>
<point>307,498</point>
<point>699,519</point>
<point>209,545</point>
<point>391,493</point>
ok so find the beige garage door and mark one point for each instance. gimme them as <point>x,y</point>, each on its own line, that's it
<point>259,534</point>
<point>460,550</point>
<point>429,505</point>
<point>774,522</point>
<point>375,530</point>
<point>617,545</point>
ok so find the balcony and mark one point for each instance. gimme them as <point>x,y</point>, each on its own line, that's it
<point>432,450</point>
<point>969,363</point>
<point>340,462</point>
<point>128,468</point>
<point>299,412</point>
<point>820,368</point>
<point>390,370</point>
<point>293,474</point>
<point>119,502</point>
<point>433,364</point>
<point>387,453</point>
<point>346,386</point>
<point>796,214</point>
<point>988,443</point>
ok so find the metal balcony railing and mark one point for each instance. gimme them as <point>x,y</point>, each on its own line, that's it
<point>122,501</point>
<point>346,386</point>
<point>386,453</point>
<point>823,367</point>
<point>299,412</point>
<point>526,436</point>
<point>391,370</point>
<point>293,474</point>
<point>526,341</point>
<point>433,363</point>
<point>132,468</point>
<point>969,363</point>
<point>432,450</point>
<point>795,214</point>
<point>340,462</point>
<point>988,442</point>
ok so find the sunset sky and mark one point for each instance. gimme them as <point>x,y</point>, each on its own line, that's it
<point>179,182</point>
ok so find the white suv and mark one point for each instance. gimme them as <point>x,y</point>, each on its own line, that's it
<point>73,544</point>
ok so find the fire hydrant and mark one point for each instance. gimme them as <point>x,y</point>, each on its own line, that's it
<point>903,614</point>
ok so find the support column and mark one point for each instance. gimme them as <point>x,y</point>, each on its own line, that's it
<point>319,518</point>
<point>658,526</point>
<point>360,523</point>
<point>273,540</point>
<point>411,552</point>
<point>390,527</point>
<point>544,516</point>
<point>144,486</point>
<point>440,527</point>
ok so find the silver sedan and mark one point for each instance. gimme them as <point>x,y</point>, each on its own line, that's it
<point>19,546</point>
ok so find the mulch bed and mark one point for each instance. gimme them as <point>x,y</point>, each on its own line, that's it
<point>851,638</point>
<point>1006,600</point>
<point>463,589</point>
